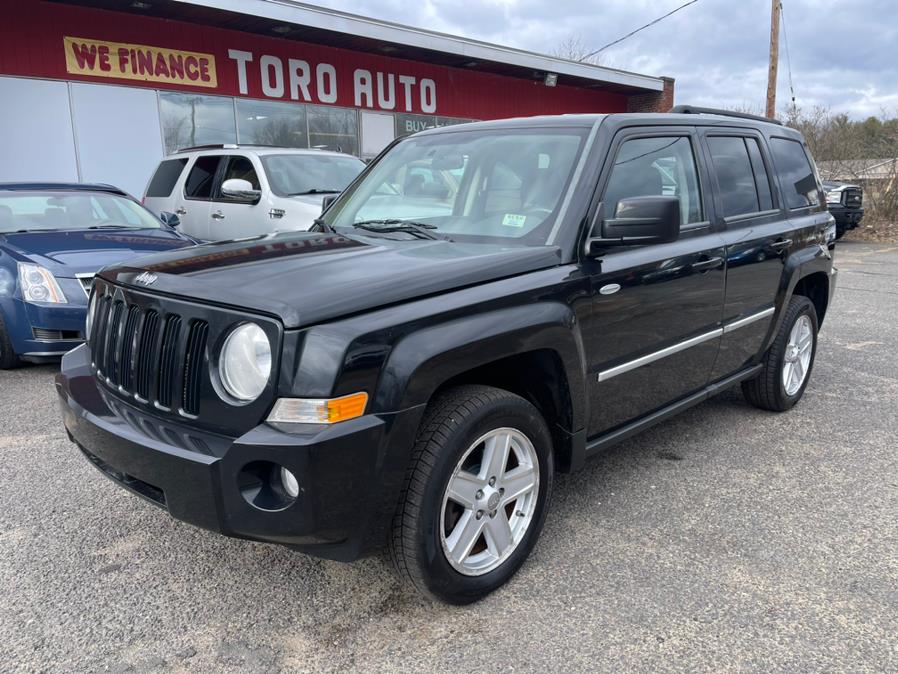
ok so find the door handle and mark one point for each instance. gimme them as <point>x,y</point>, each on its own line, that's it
<point>707,265</point>
<point>218,215</point>
<point>781,245</point>
<point>181,211</point>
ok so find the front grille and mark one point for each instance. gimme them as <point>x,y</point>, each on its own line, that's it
<point>47,335</point>
<point>163,367</point>
<point>86,281</point>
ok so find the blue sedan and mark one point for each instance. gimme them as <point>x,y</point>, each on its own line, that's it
<point>53,238</point>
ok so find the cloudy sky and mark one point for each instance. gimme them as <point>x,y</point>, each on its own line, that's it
<point>843,52</point>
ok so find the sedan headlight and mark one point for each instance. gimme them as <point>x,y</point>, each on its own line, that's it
<point>834,197</point>
<point>39,285</point>
<point>244,365</point>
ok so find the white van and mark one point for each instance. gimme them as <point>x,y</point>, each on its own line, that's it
<point>220,192</point>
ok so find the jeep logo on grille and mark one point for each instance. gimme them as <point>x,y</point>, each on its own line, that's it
<point>146,278</point>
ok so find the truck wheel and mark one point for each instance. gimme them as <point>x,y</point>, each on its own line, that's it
<point>788,363</point>
<point>475,495</point>
<point>8,358</point>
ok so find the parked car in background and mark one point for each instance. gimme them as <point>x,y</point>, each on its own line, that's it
<point>845,203</point>
<point>224,192</point>
<point>54,237</point>
<point>413,375</point>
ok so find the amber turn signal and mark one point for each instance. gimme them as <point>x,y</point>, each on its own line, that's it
<point>318,410</point>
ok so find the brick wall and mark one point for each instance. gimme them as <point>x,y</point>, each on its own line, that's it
<point>655,101</point>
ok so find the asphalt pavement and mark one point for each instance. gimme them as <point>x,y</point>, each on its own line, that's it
<point>726,539</point>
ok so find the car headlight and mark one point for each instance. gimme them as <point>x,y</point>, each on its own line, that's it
<point>244,365</point>
<point>39,285</point>
<point>834,197</point>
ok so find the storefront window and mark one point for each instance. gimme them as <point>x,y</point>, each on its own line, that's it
<point>406,124</point>
<point>268,123</point>
<point>190,119</point>
<point>334,129</point>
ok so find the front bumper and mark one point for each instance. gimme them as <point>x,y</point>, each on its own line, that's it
<point>349,474</point>
<point>846,216</point>
<point>22,317</point>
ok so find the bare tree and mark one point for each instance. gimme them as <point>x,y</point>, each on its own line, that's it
<point>573,48</point>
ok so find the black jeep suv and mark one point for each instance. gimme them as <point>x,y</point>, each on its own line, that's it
<point>485,305</point>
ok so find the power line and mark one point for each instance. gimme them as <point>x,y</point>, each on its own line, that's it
<point>788,58</point>
<point>641,28</point>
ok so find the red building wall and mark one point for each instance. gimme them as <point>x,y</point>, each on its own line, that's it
<point>107,45</point>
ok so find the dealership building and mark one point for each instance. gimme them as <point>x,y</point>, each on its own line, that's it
<point>99,90</point>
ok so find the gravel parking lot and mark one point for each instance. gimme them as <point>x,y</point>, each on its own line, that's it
<point>726,539</point>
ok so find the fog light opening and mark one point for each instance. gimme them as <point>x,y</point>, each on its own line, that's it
<point>267,485</point>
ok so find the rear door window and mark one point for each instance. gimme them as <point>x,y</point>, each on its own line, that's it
<point>762,178</point>
<point>202,178</point>
<point>735,176</point>
<point>166,177</point>
<point>798,179</point>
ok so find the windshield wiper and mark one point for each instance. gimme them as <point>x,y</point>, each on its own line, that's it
<point>419,229</point>
<point>313,191</point>
<point>114,227</point>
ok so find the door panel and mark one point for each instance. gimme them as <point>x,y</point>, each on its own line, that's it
<point>652,329</point>
<point>234,220</point>
<point>758,240</point>
<point>194,199</point>
<point>666,313</point>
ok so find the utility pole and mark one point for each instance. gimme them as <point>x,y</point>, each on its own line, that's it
<point>774,57</point>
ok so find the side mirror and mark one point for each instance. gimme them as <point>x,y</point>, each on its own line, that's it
<point>170,219</point>
<point>638,221</point>
<point>327,201</point>
<point>237,189</point>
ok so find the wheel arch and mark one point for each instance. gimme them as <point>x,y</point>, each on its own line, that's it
<point>505,349</point>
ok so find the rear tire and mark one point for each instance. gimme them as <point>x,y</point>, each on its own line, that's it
<point>8,358</point>
<point>789,361</point>
<point>490,449</point>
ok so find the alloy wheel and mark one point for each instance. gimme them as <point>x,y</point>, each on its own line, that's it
<point>797,359</point>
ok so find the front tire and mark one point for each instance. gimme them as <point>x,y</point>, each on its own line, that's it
<point>476,494</point>
<point>8,358</point>
<point>789,361</point>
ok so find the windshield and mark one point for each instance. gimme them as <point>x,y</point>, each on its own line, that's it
<point>36,211</point>
<point>493,185</point>
<point>293,174</point>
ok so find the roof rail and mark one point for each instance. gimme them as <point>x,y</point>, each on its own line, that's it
<point>236,146</point>
<point>694,110</point>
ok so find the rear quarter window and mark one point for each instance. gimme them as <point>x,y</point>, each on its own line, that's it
<point>797,176</point>
<point>166,177</point>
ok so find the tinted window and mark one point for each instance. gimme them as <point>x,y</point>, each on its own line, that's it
<point>189,120</point>
<point>735,177</point>
<point>166,176</point>
<point>201,178</point>
<point>798,179</point>
<point>762,178</point>
<point>654,167</point>
<point>241,168</point>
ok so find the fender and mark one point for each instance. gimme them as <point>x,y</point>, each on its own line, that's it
<point>424,360</point>
<point>802,263</point>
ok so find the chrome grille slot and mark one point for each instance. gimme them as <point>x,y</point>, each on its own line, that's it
<point>98,338</point>
<point>113,333</point>
<point>193,362</point>
<point>126,361</point>
<point>167,361</point>
<point>146,353</point>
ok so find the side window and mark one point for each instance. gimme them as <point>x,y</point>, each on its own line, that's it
<point>653,167</point>
<point>166,177</point>
<point>201,178</point>
<point>735,176</point>
<point>792,165</point>
<point>241,168</point>
<point>762,178</point>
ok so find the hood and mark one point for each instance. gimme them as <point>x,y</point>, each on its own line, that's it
<point>307,278</point>
<point>66,253</point>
